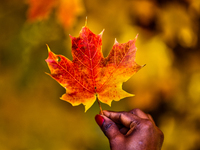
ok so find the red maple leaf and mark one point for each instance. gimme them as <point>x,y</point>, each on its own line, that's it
<point>90,76</point>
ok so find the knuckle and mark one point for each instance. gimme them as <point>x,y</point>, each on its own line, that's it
<point>135,111</point>
<point>148,125</point>
<point>121,115</point>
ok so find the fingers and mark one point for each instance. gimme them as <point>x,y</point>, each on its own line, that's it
<point>139,113</point>
<point>129,120</point>
<point>108,127</point>
<point>130,128</point>
<point>115,124</point>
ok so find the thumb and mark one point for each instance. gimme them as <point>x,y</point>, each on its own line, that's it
<point>108,127</point>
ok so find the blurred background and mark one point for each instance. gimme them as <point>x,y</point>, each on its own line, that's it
<point>32,117</point>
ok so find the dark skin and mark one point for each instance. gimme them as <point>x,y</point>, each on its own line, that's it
<point>133,130</point>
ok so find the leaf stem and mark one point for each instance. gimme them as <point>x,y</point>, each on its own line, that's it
<point>101,112</point>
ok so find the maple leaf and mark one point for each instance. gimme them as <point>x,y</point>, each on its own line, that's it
<point>40,9</point>
<point>90,76</point>
<point>66,10</point>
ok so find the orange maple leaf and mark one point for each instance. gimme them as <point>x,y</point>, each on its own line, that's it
<point>40,9</point>
<point>90,76</point>
<point>66,10</point>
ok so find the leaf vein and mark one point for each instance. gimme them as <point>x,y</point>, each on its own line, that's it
<point>73,77</point>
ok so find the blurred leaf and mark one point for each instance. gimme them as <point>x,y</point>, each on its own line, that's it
<point>67,10</point>
<point>177,25</point>
<point>39,10</point>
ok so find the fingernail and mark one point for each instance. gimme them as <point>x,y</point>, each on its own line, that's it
<point>99,119</point>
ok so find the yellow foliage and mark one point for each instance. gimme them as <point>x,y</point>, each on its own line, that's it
<point>168,87</point>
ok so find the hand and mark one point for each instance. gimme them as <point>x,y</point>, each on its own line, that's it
<point>133,130</point>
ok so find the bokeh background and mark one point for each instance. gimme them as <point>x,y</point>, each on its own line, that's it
<point>32,117</point>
